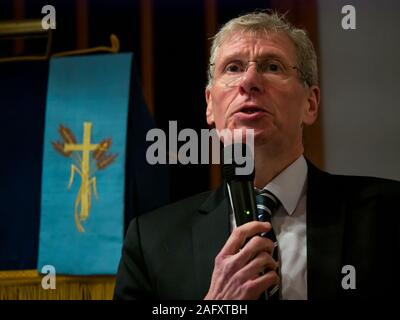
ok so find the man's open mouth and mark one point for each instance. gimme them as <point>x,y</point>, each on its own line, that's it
<point>250,110</point>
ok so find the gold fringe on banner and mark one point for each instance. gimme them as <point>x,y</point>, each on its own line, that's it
<point>27,285</point>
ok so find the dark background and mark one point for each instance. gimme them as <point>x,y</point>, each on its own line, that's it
<point>170,40</point>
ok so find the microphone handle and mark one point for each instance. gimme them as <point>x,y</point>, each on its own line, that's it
<point>243,203</point>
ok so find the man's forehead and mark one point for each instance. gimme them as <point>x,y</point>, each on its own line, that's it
<point>244,43</point>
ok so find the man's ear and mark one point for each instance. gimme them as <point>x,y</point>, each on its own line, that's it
<point>209,110</point>
<point>312,106</point>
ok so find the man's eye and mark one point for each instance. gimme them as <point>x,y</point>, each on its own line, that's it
<point>272,66</point>
<point>234,67</point>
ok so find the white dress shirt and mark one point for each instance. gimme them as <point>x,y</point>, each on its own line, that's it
<point>289,224</point>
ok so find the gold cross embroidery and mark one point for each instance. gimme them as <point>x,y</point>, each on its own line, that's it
<point>84,194</point>
<point>81,156</point>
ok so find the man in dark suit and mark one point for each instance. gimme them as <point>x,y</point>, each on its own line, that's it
<point>336,236</point>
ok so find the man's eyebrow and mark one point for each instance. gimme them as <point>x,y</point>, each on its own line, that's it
<point>263,56</point>
<point>275,56</point>
<point>230,58</point>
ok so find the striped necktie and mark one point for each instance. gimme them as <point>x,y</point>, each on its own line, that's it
<point>267,204</point>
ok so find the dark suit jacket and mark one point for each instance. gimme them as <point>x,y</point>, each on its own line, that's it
<point>169,253</point>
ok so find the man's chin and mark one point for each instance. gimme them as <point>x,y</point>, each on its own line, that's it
<point>245,134</point>
<point>257,133</point>
<point>263,137</point>
<point>236,135</point>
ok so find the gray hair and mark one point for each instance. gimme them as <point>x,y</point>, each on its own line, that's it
<point>266,22</point>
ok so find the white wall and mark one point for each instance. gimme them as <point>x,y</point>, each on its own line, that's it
<point>360,83</point>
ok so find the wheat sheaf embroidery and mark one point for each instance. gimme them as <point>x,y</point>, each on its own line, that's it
<point>87,158</point>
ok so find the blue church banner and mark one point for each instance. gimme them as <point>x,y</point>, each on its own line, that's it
<point>83,177</point>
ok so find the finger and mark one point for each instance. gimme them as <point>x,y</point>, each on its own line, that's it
<point>254,246</point>
<point>238,237</point>
<point>261,263</point>
<point>231,264</point>
<point>254,288</point>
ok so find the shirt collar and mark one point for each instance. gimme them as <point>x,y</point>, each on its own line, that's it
<point>289,185</point>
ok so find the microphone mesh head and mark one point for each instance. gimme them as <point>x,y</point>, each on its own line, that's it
<point>236,156</point>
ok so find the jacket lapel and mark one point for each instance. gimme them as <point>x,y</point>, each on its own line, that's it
<point>211,229</point>
<point>325,227</point>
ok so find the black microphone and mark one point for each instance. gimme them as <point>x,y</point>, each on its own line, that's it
<point>240,190</point>
<point>240,186</point>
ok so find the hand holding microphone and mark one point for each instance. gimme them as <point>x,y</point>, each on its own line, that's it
<point>245,255</point>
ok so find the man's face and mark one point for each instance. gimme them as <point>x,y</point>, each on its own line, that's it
<point>276,110</point>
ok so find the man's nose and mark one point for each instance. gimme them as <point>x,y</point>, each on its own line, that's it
<point>251,81</point>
